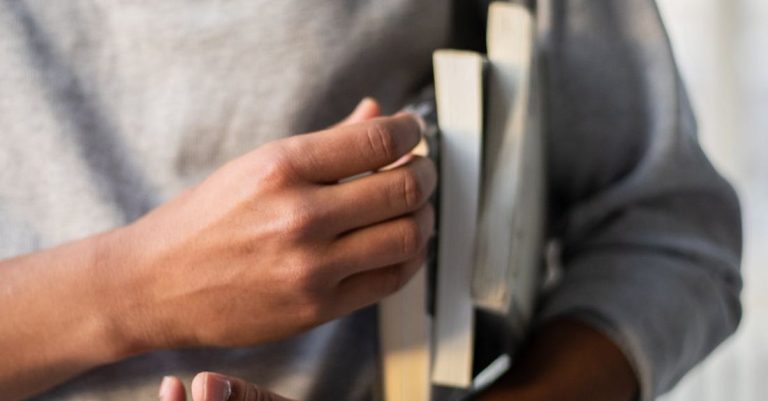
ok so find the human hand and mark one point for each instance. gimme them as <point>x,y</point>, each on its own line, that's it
<point>214,387</point>
<point>276,242</point>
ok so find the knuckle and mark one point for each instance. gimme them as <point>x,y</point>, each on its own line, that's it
<point>298,223</point>
<point>275,168</point>
<point>411,238</point>
<point>305,274</point>
<point>299,219</point>
<point>381,140</point>
<point>307,301</point>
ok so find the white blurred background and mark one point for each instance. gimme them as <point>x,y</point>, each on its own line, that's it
<point>722,49</point>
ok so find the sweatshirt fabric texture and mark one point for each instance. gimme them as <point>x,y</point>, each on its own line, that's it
<point>109,108</point>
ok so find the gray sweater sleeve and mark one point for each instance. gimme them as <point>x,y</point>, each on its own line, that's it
<point>650,232</point>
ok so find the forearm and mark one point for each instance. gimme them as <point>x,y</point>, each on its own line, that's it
<point>567,361</point>
<point>224,263</point>
<point>58,319</point>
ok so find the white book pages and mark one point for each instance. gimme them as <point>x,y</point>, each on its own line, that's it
<point>511,220</point>
<point>459,88</point>
<point>404,335</point>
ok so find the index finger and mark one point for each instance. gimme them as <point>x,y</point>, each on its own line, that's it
<point>341,152</point>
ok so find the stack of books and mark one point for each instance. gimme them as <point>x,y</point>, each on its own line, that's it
<point>490,221</point>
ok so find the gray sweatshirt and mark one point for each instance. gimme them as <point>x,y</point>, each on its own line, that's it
<point>108,108</point>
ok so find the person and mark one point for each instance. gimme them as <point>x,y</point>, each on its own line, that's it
<point>158,219</point>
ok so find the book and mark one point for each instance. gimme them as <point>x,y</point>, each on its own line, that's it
<point>404,340</point>
<point>459,99</point>
<point>434,334</point>
<point>510,237</point>
<point>405,318</point>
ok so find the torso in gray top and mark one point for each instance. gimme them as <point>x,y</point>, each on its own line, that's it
<point>118,106</point>
<point>108,108</point>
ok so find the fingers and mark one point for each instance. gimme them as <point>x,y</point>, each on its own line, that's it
<point>172,389</point>
<point>367,288</point>
<point>381,196</point>
<point>341,152</point>
<point>209,386</point>
<point>365,110</point>
<point>384,244</point>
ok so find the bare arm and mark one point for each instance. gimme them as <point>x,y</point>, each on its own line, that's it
<point>58,317</point>
<point>270,245</point>
<point>567,361</point>
<point>564,361</point>
<point>650,232</point>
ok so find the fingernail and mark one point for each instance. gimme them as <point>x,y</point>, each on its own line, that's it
<point>165,387</point>
<point>218,389</point>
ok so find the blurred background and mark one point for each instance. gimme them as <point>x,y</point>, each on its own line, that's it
<point>722,49</point>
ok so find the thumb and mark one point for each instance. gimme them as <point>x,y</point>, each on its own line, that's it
<point>209,386</point>
<point>365,110</point>
<point>172,389</point>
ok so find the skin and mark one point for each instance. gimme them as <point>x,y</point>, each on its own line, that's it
<point>268,246</point>
<point>564,361</point>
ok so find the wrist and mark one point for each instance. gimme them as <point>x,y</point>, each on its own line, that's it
<point>66,310</point>
<point>121,303</point>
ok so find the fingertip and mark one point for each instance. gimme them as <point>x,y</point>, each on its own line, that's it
<point>426,218</point>
<point>208,386</point>
<point>411,267</point>
<point>420,122</point>
<point>370,104</point>
<point>165,387</point>
<point>171,389</point>
<point>198,386</point>
<point>427,172</point>
<point>431,168</point>
<point>367,108</point>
